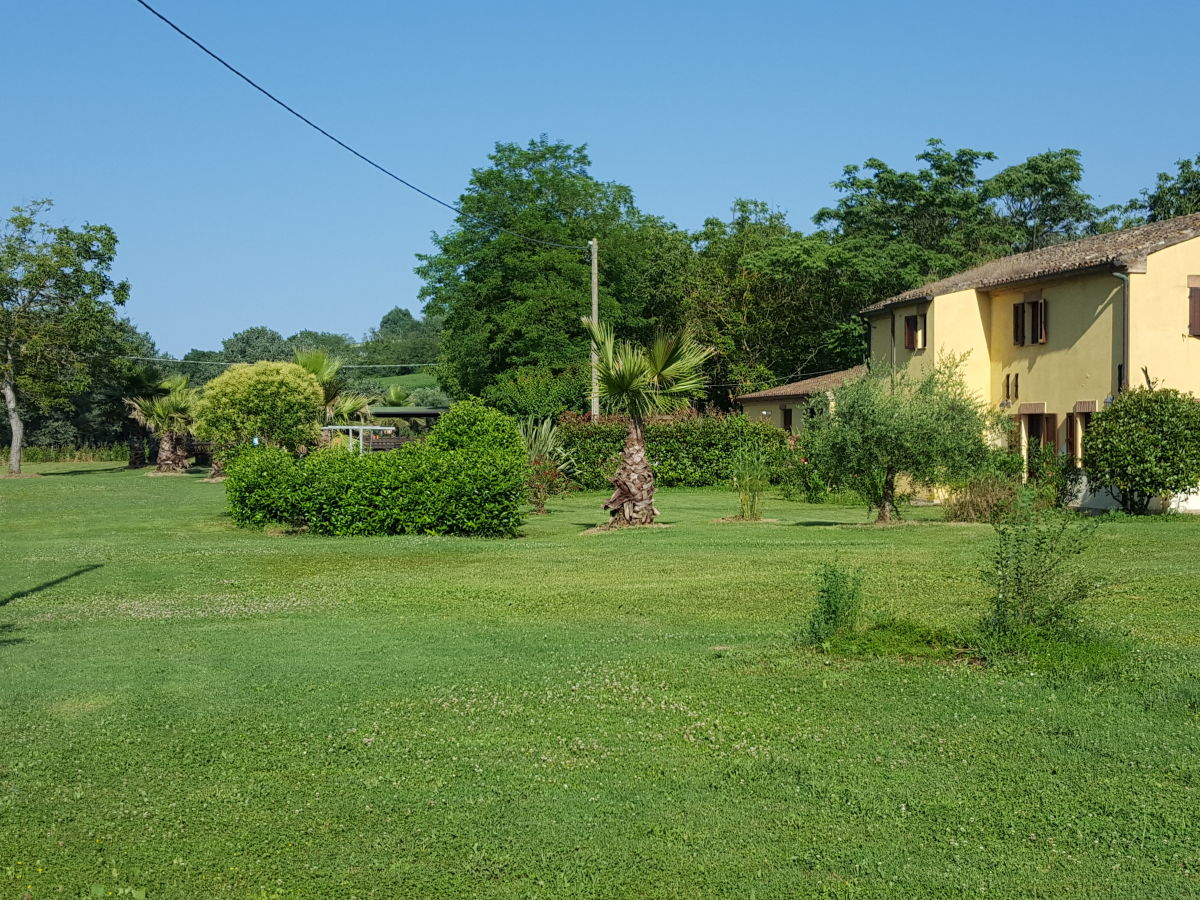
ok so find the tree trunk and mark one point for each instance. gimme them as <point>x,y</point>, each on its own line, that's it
<point>887,500</point>
<point>14,423</point>
<point>632,502</point>
<point>137,446</point>
<point>171,450</point>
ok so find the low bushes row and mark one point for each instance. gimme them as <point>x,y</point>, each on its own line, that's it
<point>468,478</point>
<point>691,452</point>
<point>87,453</point>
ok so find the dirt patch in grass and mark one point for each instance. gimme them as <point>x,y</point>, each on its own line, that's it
<point>610,529</point>
<point>738,520</point>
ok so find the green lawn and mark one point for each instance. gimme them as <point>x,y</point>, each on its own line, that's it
<point>409,382</point>
<point>195,711</point>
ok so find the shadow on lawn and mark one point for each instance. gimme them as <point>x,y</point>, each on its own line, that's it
<point>85,471</point>
<point>82,570</point>
<point>6,638</point>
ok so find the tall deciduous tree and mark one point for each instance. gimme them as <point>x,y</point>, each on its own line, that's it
<point>1041,202</point>
<point>1174,194</point>
<point>508,302</point>
<point>57,300</point>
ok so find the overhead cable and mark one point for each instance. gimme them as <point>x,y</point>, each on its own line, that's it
<point>311,124</point>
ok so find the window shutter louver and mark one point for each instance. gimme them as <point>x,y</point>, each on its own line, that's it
<point>1043,334</point>
<point>1050,430</point>
<point>1018,324</point>
<point>910,332</point>
<point>1194,312</point>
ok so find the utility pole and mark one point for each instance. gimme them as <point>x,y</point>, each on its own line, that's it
<point>595,243</point>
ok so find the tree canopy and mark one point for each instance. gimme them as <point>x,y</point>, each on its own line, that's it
<point>58,303</point>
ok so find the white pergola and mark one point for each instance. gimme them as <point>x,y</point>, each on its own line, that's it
<point>361,429</point>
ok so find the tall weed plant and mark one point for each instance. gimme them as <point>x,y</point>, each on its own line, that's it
<point>1038,577</point>
<point>838,603</point>
<point>750,476</point>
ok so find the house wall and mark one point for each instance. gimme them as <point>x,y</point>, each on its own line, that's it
<point>1080,357</point>
<point>770,410</point>
<point>1158,319</point>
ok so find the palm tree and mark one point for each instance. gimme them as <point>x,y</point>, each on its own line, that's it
<point>169,415</point>
<point>341,405</point>
<point>641,381</point>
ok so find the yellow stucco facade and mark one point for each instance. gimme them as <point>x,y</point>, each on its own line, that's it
<point>1050,351</point>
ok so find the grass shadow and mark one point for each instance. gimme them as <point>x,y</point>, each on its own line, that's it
<point>5,639</point>
<point>88,471</point>
<point>83,570</point>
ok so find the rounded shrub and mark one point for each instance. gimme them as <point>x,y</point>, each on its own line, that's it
<point>1146,445</point>
<point>277,402</point>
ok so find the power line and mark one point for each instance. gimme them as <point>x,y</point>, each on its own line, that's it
<point>311,124</point>
<point>213,362</point>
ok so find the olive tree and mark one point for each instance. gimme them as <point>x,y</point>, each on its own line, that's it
<point>873,428</point>
<point>1146,445</point>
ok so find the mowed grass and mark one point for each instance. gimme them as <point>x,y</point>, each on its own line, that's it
<point>192,710</point>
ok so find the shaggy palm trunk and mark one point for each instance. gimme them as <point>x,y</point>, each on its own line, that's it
<point>632,502</point>
<point>887,500</point>
<point>172,453</point>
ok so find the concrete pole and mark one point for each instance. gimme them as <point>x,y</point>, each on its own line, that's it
<point>596,321</point>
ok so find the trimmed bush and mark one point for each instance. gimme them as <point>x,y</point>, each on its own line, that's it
<point>468,478</point>
<point>277,402</point>
<point>692,452</point>
<point>1145,446</point>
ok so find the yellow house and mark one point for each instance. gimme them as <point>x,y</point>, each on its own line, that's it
<point>786,405</point>
<point>1053,334</point>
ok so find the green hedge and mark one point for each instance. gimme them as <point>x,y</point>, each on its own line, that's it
<point>469,478</point>
<point>87,453</point>
<point>692,452</point>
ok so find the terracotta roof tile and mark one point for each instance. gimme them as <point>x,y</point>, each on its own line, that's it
<point>806,387</point>
<point>1120,249</point>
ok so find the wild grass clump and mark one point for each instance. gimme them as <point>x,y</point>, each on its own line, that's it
<point>750,476</point>
<point>986,499</point>
<point>1037,578</point>
<point>839,603</point>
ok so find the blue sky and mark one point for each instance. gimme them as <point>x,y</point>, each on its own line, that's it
<point>232,214</point>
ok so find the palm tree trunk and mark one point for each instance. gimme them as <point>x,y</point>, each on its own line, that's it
<point>632,502</point>
<point>171,449</point>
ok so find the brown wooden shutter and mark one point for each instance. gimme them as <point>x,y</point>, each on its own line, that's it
<point>1007,387</point>
<point>910,332</point>
<point>1043,332</point>
<point>1194,311</point>
<point>1016,387</point>
<point>1071,435</point>
<point>1050,430</point>
<point>1019,324</point>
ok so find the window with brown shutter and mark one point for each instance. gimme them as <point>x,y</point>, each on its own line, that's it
<point>910,332</point>
<point>1016,387</point>
<point>1050,430</point>
<point>1019,324</point>
<point>1041,332</point>
<point>1194,311</point>
<point>1007,387</point>
<point>787,418</point>
<point>1071,448</point>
